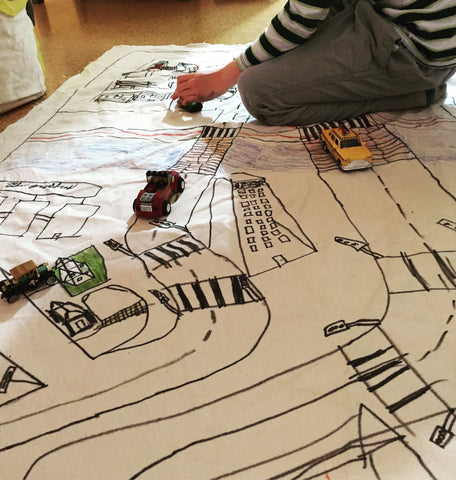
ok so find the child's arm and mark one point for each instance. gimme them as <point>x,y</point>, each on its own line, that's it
<point>292,26</point>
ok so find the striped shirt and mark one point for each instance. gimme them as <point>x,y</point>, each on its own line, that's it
<point>427,28</point>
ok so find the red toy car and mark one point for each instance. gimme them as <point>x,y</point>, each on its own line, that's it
<point>162,189</point>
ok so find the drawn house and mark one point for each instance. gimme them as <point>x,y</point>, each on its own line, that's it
<point>72,317</point>
<point>81,271</point>
<point>73,272</point>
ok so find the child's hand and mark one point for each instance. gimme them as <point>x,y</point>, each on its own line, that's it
<point>197,87</point>
<point>201,87</point>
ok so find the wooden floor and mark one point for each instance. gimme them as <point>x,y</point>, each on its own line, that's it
<point>73,33</point>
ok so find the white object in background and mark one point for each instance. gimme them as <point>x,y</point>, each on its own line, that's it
<point>21,74</point>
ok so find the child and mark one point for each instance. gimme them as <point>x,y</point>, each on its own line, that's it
<point>320,60</point>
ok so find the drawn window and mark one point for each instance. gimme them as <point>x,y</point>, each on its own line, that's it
<point>284,238</point>
<point>253,248</point>
<point>249,229</point>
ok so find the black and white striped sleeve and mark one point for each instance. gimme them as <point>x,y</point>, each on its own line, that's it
<point>295,23</point>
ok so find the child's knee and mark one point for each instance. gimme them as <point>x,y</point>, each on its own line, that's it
<point>262,102</point>
<point>247,92</point>
<point>254,98</point>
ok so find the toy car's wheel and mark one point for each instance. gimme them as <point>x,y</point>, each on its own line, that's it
<point>193,107</point>
<point>51,281</point>
<point>166,207</point>
<point>180,185</point>
<point>13,298</point>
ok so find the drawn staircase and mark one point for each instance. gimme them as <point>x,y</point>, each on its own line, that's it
<point>320,158</point>
<point>134,310</point>
<point>208,151</point>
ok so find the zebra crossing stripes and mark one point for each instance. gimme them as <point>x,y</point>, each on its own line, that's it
<point>313,132</point>
<point>219,132</point>
<point>167,254</point>
<point>386,373</point>
<point>215,293</point>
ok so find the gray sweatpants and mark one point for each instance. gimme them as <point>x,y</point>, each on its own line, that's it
<point>354,64</point>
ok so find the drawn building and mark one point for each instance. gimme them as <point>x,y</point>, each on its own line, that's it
<point>268,236</point>
<point>45,207</point>
<point>140,86</point>
<point>261,219</point>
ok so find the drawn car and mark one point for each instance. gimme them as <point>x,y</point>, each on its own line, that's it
<point>162,189</point>
<point>181,67</point>
<point>26,276</point>
<point>347,148</point>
